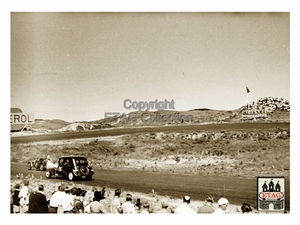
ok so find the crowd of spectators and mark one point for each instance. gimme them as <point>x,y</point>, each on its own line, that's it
<point>74,200</point>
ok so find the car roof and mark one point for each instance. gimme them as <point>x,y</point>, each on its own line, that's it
<point>72,156</point>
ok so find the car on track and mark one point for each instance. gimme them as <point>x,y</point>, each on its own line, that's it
<point>38,164</point>
<point>70,167</point>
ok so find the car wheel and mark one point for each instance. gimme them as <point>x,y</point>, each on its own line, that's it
<point>42,167</point>
<point>71,176</point>
<point>84,170</point>
<point>29,165</point>
<point>48,174</point>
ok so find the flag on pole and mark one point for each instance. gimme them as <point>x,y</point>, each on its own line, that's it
<point>247,89</point>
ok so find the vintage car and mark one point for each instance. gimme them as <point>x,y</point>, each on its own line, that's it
<point>39,164</point>
<point>70,167</point>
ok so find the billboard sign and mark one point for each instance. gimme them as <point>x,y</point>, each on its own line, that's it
<point>21,118</point>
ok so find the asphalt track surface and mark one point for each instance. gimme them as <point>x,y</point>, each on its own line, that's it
<point>238,190</point>
<point>121,131</point>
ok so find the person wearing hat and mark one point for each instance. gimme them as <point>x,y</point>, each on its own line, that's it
<point>223,203</point>
<point>207,208</point>
<point>67,201</point>
<point>184,208</point>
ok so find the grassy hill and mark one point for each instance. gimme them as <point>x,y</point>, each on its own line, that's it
<point>276,110</point>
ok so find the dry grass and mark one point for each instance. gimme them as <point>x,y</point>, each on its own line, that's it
<point>226,153</point>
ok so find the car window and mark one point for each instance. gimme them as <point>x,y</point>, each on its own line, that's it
<point>61,161</point>
<point>66,163</point>
<point>81,161</point>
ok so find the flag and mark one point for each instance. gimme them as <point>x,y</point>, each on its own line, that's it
<point>247,89</point>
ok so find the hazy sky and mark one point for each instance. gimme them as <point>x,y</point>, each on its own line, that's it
<point>77,66</point>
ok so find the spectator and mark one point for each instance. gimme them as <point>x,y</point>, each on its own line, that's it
<point>128,207</point>
<point>164,208</point>
<point>16,199</point>
<point>24,197</point>
<point>11,198</point>
<point>104,193</point>
<point>246,208</point>
<point>145,208</point>
<point>105,201</point>
<point>38,201</point>
<point>115,206</point>
<point>184,207</point>
<point>73,192</point>
<point>137,205</point>
<point>55,203</point>
<point>96,206</point>
<point>87,199</point>
<point>67,201</point>
<point>78,201</point>
<point>223,203</point>
<point>207,207</point>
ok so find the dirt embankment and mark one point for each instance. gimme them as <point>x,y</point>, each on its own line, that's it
<point>227,153</point>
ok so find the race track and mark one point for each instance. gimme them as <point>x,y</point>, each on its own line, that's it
<point>237,190</point>
<point>121,131</point>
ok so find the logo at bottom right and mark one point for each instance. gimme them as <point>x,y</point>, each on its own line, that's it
<point>270,193</point>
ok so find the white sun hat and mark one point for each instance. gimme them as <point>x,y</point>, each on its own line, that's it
<point>222,201</point>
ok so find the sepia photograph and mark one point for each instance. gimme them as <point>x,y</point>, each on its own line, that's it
<point>150,112</point>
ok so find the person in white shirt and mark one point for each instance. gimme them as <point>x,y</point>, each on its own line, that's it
<point>24,197</point>
<point>184,208</point>
<point>223,203</point>
<point>128,207</point>
<point>56,200</point>
<point>115,206</point>
<point>67,201</point>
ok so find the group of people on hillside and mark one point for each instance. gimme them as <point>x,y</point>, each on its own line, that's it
<point>67,200</point>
